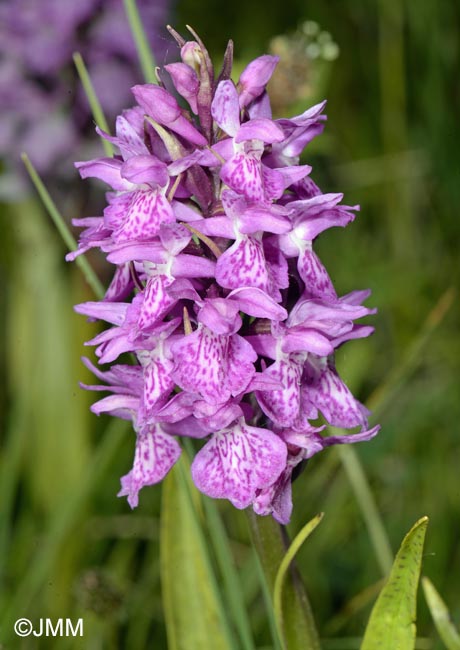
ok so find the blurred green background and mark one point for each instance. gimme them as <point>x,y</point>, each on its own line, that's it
<point>70,548</point>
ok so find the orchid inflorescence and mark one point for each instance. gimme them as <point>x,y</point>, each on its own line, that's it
<point>217,294</point>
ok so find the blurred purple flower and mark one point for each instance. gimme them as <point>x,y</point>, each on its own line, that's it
<point>38,84</point>
<point>233,319</point>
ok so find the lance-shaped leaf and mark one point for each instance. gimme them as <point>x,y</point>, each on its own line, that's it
<point>392,620</point>
<point>283,601</point>
<point>297,629</point>
<point>441,617</point>
<point>193,611</point>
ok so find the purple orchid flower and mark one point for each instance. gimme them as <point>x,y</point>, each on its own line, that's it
<point>218,293</point>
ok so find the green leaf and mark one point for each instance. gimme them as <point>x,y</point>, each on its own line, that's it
<point>441,617</point>
<point>230,579</point>
<point>392,620</point>
<point>193,610</point>
<point>297,630</point>
<point>282,601</point>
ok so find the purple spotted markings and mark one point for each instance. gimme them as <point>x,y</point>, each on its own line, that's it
<point>229,318</point>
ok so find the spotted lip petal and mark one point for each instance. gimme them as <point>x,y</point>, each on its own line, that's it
<point>156,301</point>
<point>213,365</point>
<point>147,210</point>
<point>237,462</point>
<point>157,379</point>
<point>244,265</point>
<point>282,406</point>
<point>156,453</point>
<point>243,173</point>
<point>318,284</point>
<point>331,396</point>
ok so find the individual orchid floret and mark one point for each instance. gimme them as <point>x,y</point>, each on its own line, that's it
<point>156,452</point>
<point>298,132</point>
<point>237,462</point>
<point>139,206</point>
<point>255,77</point>
<point>214,361</point>
<point>219,300</point>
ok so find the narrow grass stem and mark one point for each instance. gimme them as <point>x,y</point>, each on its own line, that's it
<point>142,45</point>
<point>93,101</point>
<point>63,228</point>
<point>377,403</point>
<point>365,498</point>
<point>232,584</point>
<point>383,394</point>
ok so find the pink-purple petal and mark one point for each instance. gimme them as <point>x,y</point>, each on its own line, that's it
<point>260,129</point>
<point>255,77</point>
<point>156,453</point>
<point>145,169</point>
<point>332,397</point>
<point>148,209</point>
<point>282,406</point>
<point>243,265</point>
<point>225,108</point>
<point>106,169</point>
<point>237,462</point>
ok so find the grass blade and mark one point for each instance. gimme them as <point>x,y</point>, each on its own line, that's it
<point>366,501</point>
<point>93,101</point>
<point>441,617</point>
<point>142,45</point>
<point>61,524</point>
<point>63,228</point>
<point>282,603</point>
<point>193,610</point>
